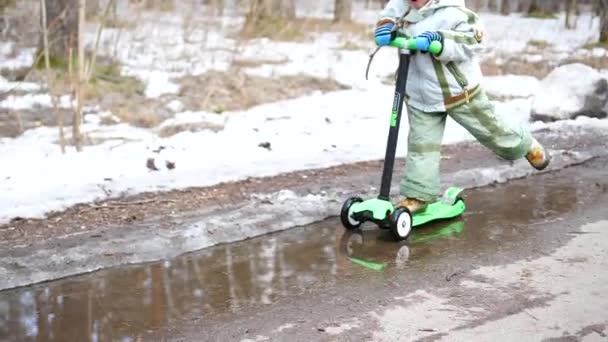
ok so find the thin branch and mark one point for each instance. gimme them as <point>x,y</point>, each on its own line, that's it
<point>47,63</point>
<point>91,65</point>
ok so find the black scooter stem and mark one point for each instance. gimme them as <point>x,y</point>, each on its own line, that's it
<point>393,134</point>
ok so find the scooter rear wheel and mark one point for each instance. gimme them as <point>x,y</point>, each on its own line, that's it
<point>345,214</point>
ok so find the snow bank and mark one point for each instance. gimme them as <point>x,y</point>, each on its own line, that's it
<point>569,91</point>
<point>512,34</point>
<point>511,85</point>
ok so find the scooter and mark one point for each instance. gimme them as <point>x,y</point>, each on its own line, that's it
<point>355,211</point>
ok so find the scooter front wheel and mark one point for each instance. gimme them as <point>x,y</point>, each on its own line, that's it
<point>346,214</point>
<point>401,223</point>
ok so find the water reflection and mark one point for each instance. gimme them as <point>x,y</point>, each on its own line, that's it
<point>112,304</point>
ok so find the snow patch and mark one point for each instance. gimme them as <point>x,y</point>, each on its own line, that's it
<point>33,101</point>
<point>175,106</point>
<point>511,85</point>
<point>23,59</point>
<point>6,86</point>
<point>564,91</point>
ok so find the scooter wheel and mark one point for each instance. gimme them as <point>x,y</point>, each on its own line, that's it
<point>401,223</point>
<point>345,214</point>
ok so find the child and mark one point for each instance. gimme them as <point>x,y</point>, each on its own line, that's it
<point>447,84</point>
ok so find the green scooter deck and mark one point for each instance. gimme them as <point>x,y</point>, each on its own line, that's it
<point>449,206</point>
<point>437,211</point>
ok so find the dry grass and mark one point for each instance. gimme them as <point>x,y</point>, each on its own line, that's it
<point>539,44</point>
<point>538,14</point>
<point>107,79</point>
<point>139,118</point>
<point>516,67</point>
<point>594,62</point>
<point>217,91</point>
<point>189,127</point>
<point>252,63</point>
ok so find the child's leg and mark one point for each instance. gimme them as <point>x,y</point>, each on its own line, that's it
<point>479,119</point>
<point>421,180</point>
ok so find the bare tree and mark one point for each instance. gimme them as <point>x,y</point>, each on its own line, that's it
<point>571,10</point>
<point>285,8</point>
<point>263,12</point>
<point>76,135</point>
<point>524,6</point>
<point>505,7</point>
<point>62,26</point>
<point>343,10</point>
<point>602,11</point>
<point>162,5</point>
<point>492,5</point>
<point>92,8</point>
<point>544,8</point>
<point>49,75</point>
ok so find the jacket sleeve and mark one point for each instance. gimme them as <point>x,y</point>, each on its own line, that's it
<point>393,10</point>
<point>463,41</point>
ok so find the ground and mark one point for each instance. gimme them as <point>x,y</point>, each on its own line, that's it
<point>527,261</point>
<point>235,235</point>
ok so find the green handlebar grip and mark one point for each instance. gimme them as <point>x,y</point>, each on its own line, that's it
<point>435,47</point>
<point>402,43</point>
<point>399,42</point>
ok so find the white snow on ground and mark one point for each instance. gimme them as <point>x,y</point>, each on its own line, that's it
<point>563,92</point>
<point>511,34</point>
<point>155,53</point>
<point>511,85</point>
<point>30,101</point>
<point>307,132</point>
<point>312,131</point>
<point>6,86</point>
<point>23,59</point>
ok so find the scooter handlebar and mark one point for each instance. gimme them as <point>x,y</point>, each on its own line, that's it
<point>404,43</point>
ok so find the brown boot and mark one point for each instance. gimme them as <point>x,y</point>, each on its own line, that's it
<point>538,156</point>
<point>414,205</point>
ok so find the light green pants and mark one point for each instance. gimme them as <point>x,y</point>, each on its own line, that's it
<point>421,180</point>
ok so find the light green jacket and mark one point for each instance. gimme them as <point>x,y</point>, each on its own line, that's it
<point>439,83</point>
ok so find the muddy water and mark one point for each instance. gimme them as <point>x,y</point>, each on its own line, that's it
<point>124,303</point>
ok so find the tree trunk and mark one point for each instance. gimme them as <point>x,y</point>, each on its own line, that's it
<point>161,5</point>
<point>603,13</point>
<point>571,10</point>
<point>544,8</point>
<point>62,23</point>
<point>81,77</point>
<point>523,6</point>
<point>284,8</point>
<point>343,10</point>
<point>263,12</point>
<point>259,11</point>
<point>492,6</point>
<point>505,8</point>
<point>475,5</point>
<point>92,8</point>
